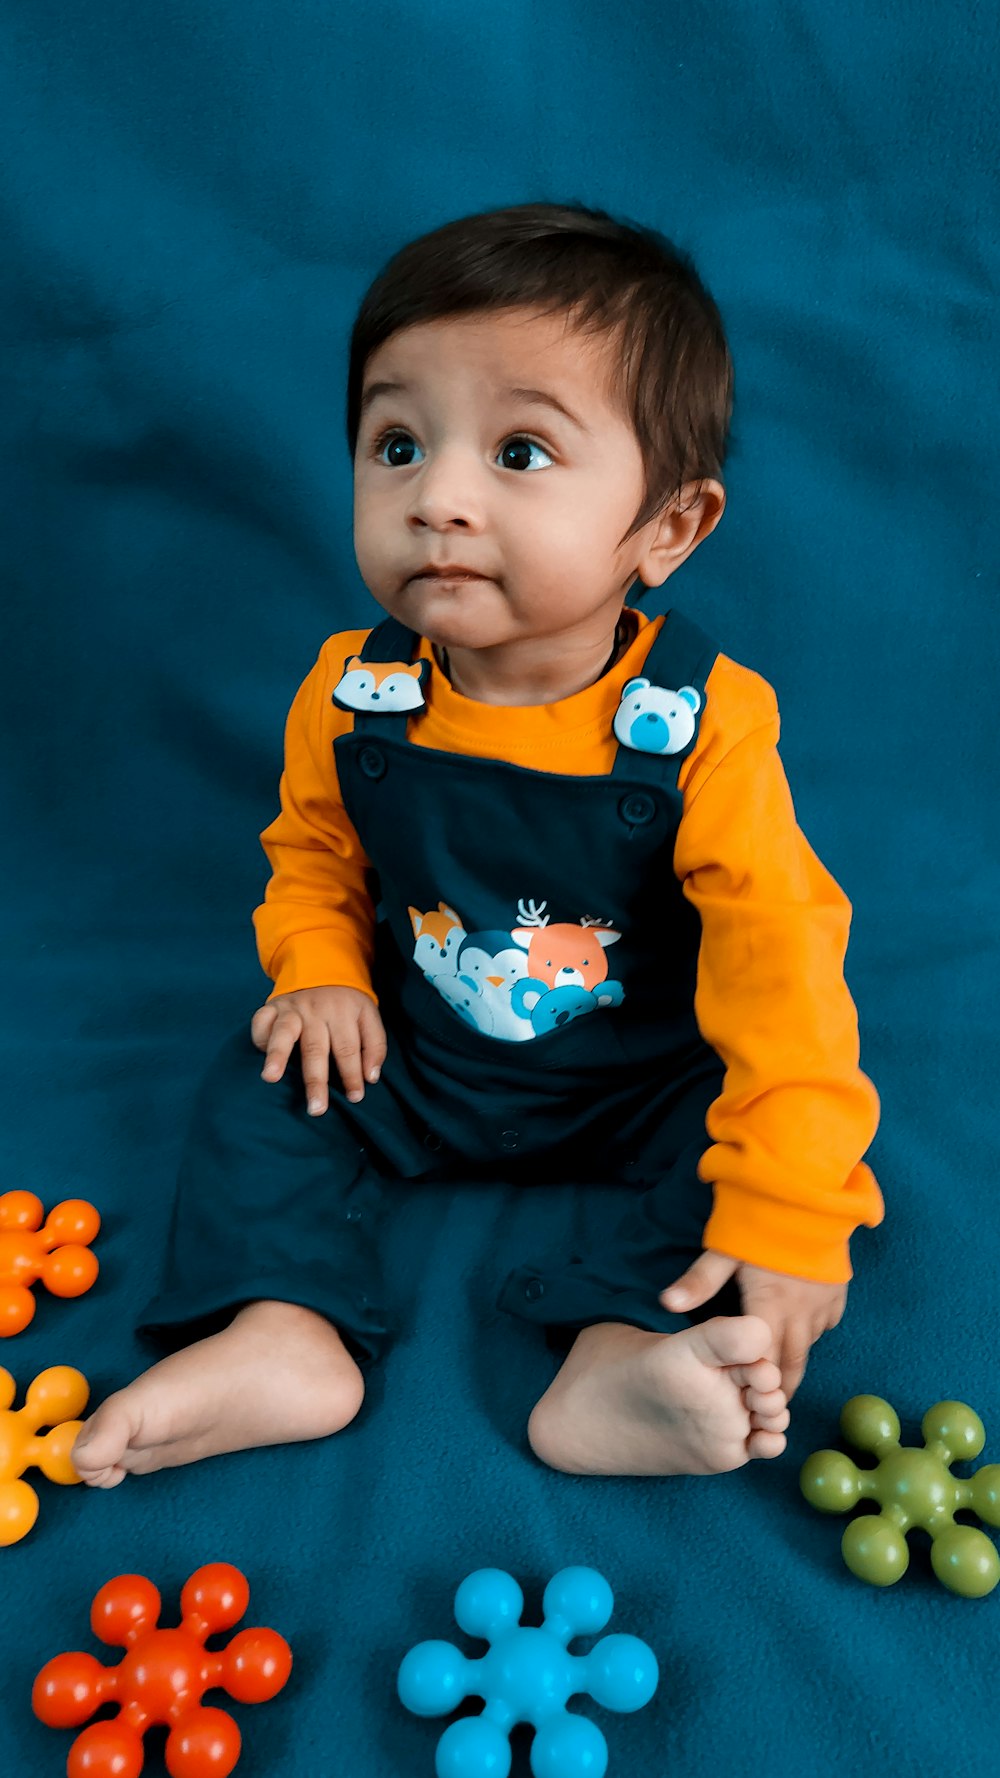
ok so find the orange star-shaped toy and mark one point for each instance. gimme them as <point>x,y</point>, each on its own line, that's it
<point>58,1253</point>
<point>55,1398</point>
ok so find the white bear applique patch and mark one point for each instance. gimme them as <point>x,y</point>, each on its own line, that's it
<point>651,719</point>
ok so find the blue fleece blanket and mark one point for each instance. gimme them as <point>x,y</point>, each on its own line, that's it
<point>196,198</point>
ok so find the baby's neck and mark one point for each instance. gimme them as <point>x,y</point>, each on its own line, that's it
<point>501,675</point>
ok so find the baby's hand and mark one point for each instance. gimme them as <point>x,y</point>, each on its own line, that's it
<point>797,1310</point>
<point>320,1020</point>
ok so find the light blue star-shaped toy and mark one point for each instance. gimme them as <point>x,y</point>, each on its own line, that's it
<point>527,1675</point>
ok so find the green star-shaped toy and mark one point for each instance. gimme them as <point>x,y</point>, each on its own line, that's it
<point>914,1488</point>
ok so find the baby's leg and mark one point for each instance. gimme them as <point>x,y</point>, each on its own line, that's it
<point>630,1402</point>
<point>277,1373</point>
<point>641,1391</point>
<point>273,1255</point>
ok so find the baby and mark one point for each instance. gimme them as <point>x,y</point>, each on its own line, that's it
<point>539,892</point>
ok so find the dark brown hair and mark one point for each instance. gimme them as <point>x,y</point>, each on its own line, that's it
<point>620,279</point>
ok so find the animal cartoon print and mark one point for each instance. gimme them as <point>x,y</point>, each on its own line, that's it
<point>491,963</point>
<point>439,936</point>
<point>385,689</point>
<point>651,719</point>
<point>566,956</point>
<point>567,969</point>
<point>516,984</point>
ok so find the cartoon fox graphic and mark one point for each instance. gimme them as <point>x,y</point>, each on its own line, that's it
<point>439,937</point>
<point>384,688</point>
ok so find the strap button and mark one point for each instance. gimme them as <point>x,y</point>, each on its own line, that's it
<point>372,762</point>
<point>637,809</point>
<point>533,1290</point>
<point>508,1139</point>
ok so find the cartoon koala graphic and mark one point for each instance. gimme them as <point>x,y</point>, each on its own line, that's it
<point>651,719</point>
<point>387,689</point>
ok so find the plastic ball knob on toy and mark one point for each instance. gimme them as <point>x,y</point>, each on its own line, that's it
<point>914,1488</point>
<point>56,1398</point>
<point>56,1252</point>
<point>162,1677</point>
<point>527,1676</point>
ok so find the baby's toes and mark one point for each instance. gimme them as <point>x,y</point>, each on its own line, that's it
<point>766,1443</point>
<point>770,1422</point>
<point>768,1409</point>
<point>764,1377</point>
<point>101,1445</point>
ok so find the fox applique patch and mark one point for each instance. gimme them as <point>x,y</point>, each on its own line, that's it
<point>386,688</point>
<point>521,982</point>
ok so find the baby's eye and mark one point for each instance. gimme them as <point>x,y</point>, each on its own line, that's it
<point>396,438</point>
<point>390,439</point>
<point>519,445</point>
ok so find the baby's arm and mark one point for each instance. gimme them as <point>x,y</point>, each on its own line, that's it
<point>315,926</point>
<point>796,1114</point>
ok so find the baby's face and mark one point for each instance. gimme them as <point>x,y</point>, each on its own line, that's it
<point>457,469</point>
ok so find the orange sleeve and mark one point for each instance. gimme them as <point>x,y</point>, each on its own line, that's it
<point>316,924</point>
<point>795,1114</point>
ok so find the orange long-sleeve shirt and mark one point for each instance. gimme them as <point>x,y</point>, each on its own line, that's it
<point>795,1114</point>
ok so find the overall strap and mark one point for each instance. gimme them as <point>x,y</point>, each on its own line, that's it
<point>682,657</point>
<point>388,641</point>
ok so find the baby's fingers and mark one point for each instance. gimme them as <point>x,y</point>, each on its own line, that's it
<point>345,1042</point>
<point>284,1036</point>
<point>261,1023</point>
<point>794,1356</point>
<point>315,1051</point>
<point>373,1042</point>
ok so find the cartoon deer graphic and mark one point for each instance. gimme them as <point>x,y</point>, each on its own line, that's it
<point>564,956</point>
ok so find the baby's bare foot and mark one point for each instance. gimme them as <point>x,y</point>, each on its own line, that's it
<point>629,1402</point>
<point>277,1373</point>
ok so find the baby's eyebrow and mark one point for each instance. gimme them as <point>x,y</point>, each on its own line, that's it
<point>544,398</point>
<point>540,397</point>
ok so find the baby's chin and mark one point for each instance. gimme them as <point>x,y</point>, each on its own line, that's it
<point>469,614</point>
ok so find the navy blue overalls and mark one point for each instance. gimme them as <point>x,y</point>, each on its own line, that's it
<point>535,963</point>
